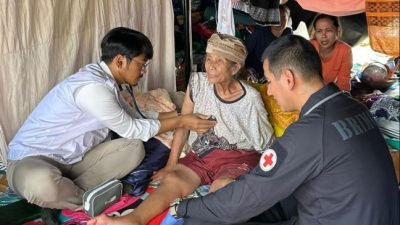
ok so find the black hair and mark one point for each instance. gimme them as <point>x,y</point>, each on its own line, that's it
<point>127,42</point>
<point>285,9</point>
<point>334,19</point>
<point>295,53</point>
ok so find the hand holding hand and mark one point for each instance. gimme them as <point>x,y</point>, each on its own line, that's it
<point>198,122</point>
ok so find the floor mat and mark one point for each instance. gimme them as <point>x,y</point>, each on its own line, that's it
<point>18,213</point>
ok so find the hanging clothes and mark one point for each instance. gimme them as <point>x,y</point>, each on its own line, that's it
<point>263,12</point>
<point>225,23</point>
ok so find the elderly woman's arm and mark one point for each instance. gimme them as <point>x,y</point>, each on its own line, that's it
<point>179,140</point>
<point>259,130</point>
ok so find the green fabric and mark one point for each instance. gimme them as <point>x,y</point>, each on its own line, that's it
<point>19,213</point>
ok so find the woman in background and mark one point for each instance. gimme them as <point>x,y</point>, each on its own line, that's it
<point>336,56</point>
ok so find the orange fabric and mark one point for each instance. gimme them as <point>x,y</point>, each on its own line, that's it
<point>383,18</point>
<point>337,67</point>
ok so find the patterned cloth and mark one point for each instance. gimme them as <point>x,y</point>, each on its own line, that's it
<point>228,47</point>
<point>209,141</point>
<point>386,107</point>
<point>383,25</point>
<point>263,12</point>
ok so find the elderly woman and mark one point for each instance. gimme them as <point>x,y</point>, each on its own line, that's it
<point>336,56</point>
<point>220,155</point>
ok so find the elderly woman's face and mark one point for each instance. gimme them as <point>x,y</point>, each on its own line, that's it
<point>218,68</point>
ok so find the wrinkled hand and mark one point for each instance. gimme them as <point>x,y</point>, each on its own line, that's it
<point>198,123</point>
<point>159,175</point>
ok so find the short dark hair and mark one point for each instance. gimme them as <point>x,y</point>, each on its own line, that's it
<point>127,42</point>
<point>296,53</point>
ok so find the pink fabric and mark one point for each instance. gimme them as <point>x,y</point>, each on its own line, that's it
<point>334,7</point>
<point>76,222</point>
<point>125,201</point>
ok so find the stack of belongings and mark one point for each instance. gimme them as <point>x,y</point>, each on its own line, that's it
<point>385,111</point>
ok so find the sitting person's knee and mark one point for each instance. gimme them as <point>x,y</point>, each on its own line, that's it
<point>173,177</point>
<point>176,179</point>
<point>41,187</point>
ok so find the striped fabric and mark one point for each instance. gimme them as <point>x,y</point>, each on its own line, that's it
<point>263,12</point>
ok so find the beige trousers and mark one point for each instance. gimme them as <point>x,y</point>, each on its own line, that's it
<point>47,183</point>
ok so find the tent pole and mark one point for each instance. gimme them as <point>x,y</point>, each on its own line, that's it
<point>188,39</point>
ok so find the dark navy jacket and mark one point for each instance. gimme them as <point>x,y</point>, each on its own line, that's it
<point>256,43</point>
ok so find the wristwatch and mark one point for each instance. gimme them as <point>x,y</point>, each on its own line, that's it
<point>173,208</point>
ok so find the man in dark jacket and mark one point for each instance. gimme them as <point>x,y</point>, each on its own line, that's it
<point>333,160</point>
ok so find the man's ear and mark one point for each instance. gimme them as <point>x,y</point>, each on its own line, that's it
<point>289,78</point>
<point>119,61</point>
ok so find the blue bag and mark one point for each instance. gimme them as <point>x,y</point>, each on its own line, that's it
<point>155,159</point>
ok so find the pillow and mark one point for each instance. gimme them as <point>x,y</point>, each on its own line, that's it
<point>278,119</point>
<point>157,100</point>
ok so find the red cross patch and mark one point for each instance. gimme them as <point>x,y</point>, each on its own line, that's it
<point>268,160</point>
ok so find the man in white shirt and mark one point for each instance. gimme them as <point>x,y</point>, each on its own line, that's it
<point>63,149</point>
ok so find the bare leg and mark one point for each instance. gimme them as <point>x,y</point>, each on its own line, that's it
<point>179,183</point>
<point>219,183</point>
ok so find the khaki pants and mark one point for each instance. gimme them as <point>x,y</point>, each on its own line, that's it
<point>47,183</point>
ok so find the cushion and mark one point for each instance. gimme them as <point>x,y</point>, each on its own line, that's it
<point>278,119</point>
